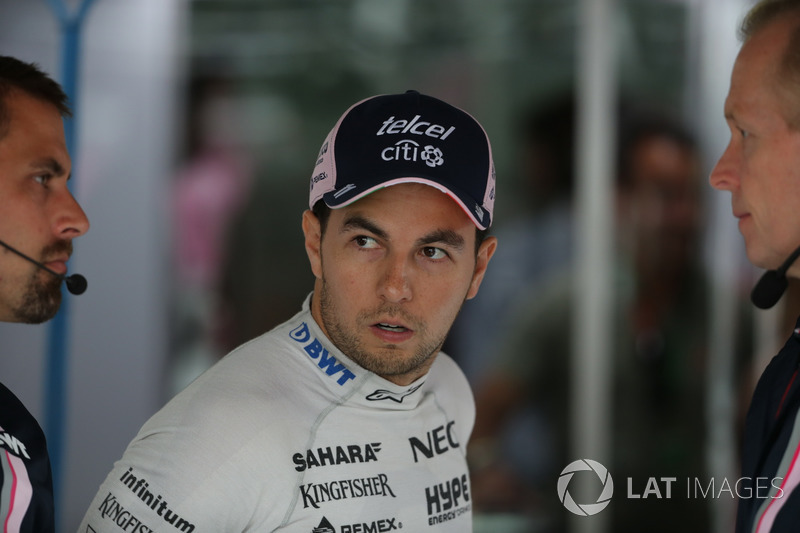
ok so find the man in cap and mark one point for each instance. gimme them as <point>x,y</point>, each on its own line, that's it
<point>347,417</point>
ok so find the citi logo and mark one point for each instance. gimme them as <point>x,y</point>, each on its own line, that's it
<point>320,355</point>
<point>415,126</point>
<point>408,150</point>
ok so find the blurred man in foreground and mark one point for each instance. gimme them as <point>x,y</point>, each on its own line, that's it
<point>38,219</point>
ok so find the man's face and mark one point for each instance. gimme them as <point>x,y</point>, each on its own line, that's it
<point>761,165</point>
<point>39,215</point>
<point>664,199</point>
<point>393,270</point>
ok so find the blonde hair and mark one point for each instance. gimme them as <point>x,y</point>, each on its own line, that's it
<point>760,16</point>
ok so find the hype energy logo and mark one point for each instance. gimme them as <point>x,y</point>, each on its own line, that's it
<point>585,509</point>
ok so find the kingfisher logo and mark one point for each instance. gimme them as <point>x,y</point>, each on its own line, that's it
<point>316,494</point>
<point>320,355</point>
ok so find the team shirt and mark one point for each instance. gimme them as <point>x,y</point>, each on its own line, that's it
<point>26,486</point>
<point>769,500</point>
<point>286,433</point>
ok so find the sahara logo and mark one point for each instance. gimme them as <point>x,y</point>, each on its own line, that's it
<point>336,455</point>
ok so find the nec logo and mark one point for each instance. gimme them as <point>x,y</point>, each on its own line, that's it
<point>439,441</point>
<point>323,358</point>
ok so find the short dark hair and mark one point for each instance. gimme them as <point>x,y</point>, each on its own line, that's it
<point>759,16</point>
<point>323,213</point>
<point>763,13</point>
<point>633,132</point>
<point>17,75</point>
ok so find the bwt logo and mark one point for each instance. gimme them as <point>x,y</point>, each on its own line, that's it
<point>586,509</point>
<point>323,358</point>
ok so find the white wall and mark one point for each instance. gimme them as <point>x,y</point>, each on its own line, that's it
<point>130,73</point>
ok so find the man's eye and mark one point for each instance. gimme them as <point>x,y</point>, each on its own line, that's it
<point>365,242</point>
<point>434,253</point>
<point>43,179</point>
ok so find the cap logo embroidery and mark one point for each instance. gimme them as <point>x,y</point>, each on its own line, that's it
<point>416,126</point>
<point>347,188</point>
<point>408,150</point>
<point>432,156</point>
<point>398,138</point>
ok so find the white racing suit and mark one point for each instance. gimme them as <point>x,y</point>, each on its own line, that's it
<point>287,434</point>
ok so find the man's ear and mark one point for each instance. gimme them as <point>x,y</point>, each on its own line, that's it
<point>313,241</point>
<point>485,253</point>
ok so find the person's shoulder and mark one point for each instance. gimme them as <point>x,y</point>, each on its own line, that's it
<point>453,393</point>
<point>448,382</point>
<point>243,393</point>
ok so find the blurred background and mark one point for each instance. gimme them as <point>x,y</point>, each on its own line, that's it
<point>197,127</point>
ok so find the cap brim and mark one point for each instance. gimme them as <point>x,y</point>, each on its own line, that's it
<point>349,194</point>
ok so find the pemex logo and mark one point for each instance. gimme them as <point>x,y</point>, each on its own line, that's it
<point>585,509</point>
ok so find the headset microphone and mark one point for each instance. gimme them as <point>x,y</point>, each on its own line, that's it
<point>76,284</point>
<point>770,287</point>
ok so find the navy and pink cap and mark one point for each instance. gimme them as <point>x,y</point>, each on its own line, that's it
<point>406,138</point>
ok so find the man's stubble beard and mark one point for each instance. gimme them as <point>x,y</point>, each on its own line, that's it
<point>42,297</point>
<point>386,362</point>
<point>41,300</point>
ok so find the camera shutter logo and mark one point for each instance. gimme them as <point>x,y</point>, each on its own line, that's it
<point>586,509</point>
